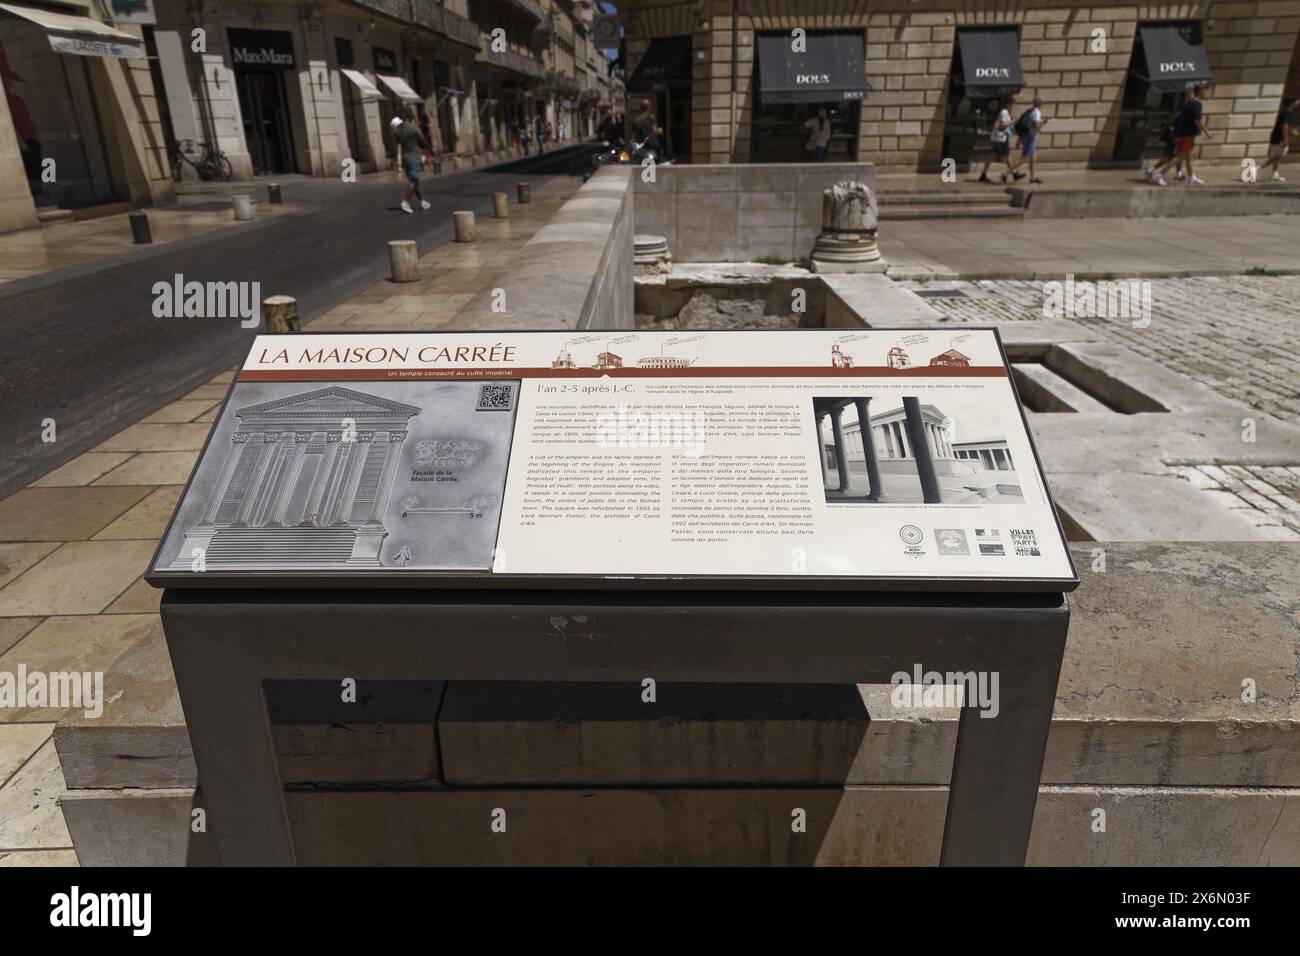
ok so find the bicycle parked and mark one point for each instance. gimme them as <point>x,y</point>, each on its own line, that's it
<point>211,165</point>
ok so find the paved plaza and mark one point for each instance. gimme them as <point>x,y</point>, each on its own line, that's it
<point>74,542</point>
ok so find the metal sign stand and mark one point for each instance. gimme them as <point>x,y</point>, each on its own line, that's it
<point>225,643</point>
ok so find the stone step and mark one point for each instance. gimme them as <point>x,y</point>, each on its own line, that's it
<point>940,197</point>
<point>49,214</point>
<point>845,826</point>
<point>909,211</point>
<point>1044,391</point>
<point>1160,725</point>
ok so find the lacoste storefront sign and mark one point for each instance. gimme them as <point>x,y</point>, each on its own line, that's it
<point>261,49</point>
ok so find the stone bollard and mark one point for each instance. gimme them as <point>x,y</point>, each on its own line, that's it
<point>281,314</point>
<point>403,260</point>
<point>140,228</point>
<point>273,194</point>
<point>465,231</point>
<point>525,192</point>
<point>500,206</point>
<point>243,204</point>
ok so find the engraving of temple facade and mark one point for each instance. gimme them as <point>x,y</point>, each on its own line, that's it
<point>305,483</point>
<point>915,442</point>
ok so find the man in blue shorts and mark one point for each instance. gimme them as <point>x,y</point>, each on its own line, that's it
<point>409,143</point>
<point>1027,128</point>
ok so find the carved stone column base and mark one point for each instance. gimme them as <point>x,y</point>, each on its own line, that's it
<point>650,255</point>
<point>853,252</point>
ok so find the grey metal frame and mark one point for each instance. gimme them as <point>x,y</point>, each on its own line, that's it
<point>224,644</point>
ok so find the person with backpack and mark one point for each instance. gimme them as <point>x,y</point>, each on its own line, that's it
<point>1189,123</point>
<point>1169,151</point>
<point>1028,126</point>
<point>1000,140</point>
<point>1279,141</point>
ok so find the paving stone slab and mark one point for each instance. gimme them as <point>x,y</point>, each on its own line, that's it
<point>146,520</point>
<point>29,809</point>
<point>82,470</point>
<point>81,577</point>
<point>63,514</point>
<point>17,558</point>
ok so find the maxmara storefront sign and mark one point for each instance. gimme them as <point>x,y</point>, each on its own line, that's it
<point>261,49</point>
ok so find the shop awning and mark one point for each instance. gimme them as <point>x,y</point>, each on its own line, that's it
<point>83,36</point>
<point>369,92</point>
<point>1175,54</point>
<point>990,61</point>
<point>400,89</point>
<point>666,63</point>
<point>830,67</point>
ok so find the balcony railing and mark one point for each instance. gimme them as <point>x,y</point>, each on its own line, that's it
<point>428,14</point>
<point>529,8</point>
<point>510,60</point>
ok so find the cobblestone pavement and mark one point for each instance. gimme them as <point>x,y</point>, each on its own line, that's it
<point>1235,334</point>
<point>1264,496</point>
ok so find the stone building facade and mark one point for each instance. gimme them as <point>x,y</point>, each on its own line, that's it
<point>277,86</point>
<point>80,127</point>
<point>911,115</point>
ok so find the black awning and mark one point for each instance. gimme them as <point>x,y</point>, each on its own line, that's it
<point>666,63</point>
<point>990,61</point>
<point>830,68</point>
<point>1175,54</point>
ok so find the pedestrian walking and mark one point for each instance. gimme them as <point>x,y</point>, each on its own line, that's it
<point>644,123</point>
<point>1027,128</point>
<point>1190,123</point>
<point>1279,141</point>
<point>1169,150</point>
<point>410,141</point>
<point>819,135</point>
<point>1000,140</point>
<point>526,136</point>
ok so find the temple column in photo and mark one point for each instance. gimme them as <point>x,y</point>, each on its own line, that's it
<point>821,445</point>
<point>841,458</point>
<point>921,449</point>
<point>869,448</point>
<point>898,439</point>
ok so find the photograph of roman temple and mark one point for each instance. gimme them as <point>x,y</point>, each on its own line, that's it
<point>914,455</point>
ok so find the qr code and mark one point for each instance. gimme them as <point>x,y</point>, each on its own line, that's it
<point>496,398</point>
<point>1026,543</point>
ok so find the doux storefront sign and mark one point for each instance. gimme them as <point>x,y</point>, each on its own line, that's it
<point>261,49</point>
